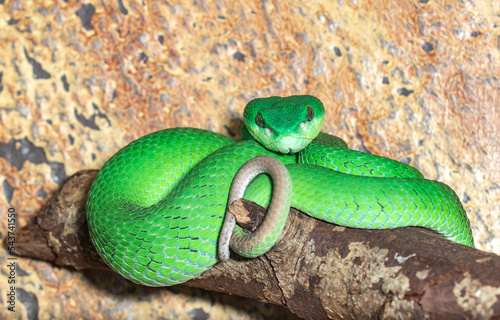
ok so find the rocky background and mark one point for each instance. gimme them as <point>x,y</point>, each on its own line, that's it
<point>417,81</point>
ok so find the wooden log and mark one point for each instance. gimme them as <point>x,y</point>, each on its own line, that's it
<point>318,270</point>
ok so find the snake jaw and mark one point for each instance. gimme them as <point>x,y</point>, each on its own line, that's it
<point>285,125</point>
<point>288,144</point>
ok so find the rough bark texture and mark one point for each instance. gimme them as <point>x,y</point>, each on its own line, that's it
<point>317,270</point>
<point>248,214</point>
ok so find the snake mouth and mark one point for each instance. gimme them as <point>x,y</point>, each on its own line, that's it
<point>288,144</point>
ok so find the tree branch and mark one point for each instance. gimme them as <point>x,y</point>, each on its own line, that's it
<point>317,270</point>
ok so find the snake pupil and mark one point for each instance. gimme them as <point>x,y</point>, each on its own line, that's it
<point>260,120</point>
<point>310,113</point>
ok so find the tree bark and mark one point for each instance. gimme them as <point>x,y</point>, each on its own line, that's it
<point>318,270</point>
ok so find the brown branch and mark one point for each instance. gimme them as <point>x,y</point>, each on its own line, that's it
<point>248,214</point>
<point>317,270</point>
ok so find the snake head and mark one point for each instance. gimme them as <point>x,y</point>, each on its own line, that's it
<point>285,125</point>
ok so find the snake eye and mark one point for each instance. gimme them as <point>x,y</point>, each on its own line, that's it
<point>310,113</point>
<point>260,120</point>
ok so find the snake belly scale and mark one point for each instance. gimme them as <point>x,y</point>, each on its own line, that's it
<point>156,209</point>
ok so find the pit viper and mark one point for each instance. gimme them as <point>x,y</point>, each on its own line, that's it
<point>156,208</point>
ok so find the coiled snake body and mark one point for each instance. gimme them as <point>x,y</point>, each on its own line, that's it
<point>156,208</point>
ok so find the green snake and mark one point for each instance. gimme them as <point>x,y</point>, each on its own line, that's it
<point>156,208</point>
